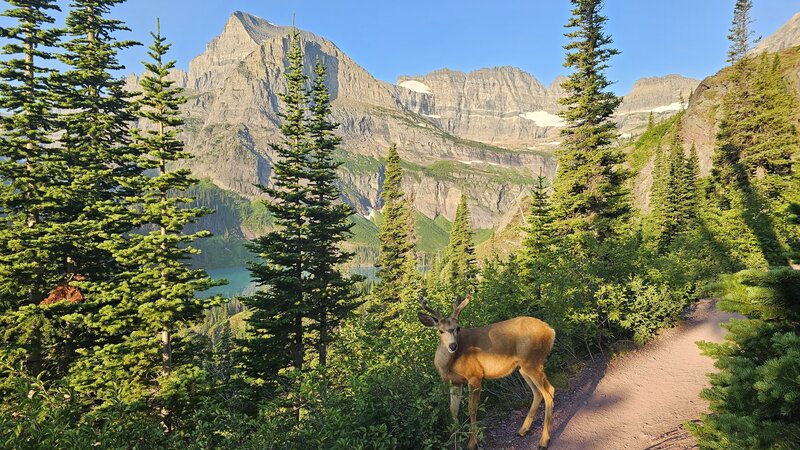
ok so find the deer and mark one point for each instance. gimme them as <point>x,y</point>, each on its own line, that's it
<point>471,355</point>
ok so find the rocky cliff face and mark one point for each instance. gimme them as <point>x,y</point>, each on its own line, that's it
<point>699,124</point>
<point>508,107</point>
<point>785,37</point>
<point>486,133</point>
<point>232,118</point>
<point>502,106</point>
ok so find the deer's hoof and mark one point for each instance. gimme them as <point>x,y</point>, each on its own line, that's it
<point>542,446</point>
<point>472,444</point>
<point>523,431</point>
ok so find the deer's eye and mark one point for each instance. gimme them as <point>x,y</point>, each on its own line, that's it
<point>441,331</point>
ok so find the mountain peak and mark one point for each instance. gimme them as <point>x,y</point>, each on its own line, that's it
<point>257,28</point>
<point>785,37</point>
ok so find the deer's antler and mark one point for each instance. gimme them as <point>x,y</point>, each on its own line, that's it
<point>434,312</point>
<point>460,305</point>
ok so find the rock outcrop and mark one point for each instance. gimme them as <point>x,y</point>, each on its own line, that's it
<point>786,36</point>
<point>508,107</point>
<point>486,133</point>
<point>233,117</point>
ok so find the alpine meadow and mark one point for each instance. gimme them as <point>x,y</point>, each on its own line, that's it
<point>268,247</point>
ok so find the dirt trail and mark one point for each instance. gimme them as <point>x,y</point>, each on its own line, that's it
<point>637,401</point>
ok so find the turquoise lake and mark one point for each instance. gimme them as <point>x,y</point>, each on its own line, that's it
<point>239,282</point>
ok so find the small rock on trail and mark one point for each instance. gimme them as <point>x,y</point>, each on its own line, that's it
<point>637,401</point>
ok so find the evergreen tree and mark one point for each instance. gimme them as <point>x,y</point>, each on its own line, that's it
<point>539,245</point>
<point>395,236</point>
<point>589,193</point>
<point>460,269</point>
<point>741,35</point>
<point>95,141</point>
<point>329,225</point>
<point>753,396</point>
<point>277,335</point>
<point>31,168</point>
<point>690,188</point>
<point>775,138</point>
<point>674,193</point>
<point>155,292</point>
<point>651,122</point>
<point>29,164</point>
<point>411,279</point>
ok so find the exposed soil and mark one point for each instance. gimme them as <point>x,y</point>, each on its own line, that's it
<point>638,400</point>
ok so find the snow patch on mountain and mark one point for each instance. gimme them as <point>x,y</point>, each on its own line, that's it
<point>544,119</point>
<point>416,86</point>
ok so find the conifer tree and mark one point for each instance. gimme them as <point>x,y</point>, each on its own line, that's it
<point>460,269</point>
<point>95,140</point>
<point>775,138</point>
<point>539,245</point>
<point>31,168</point>
<point>690,191</point>
<point>674,192</point>
<point>28,162</point>
<point>589,193</point>
<point>395,237</point>
<point>329,225</point>
<point>740,33</point>
<point>277,335</point>
<point>155,291</point>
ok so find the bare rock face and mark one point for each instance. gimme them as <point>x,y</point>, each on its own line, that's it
<point>501,106</point>
<point>486,133</point>
<point>662,97</point>
<point>787,36</point>
<point>233,117</point>
<point>508,107</point>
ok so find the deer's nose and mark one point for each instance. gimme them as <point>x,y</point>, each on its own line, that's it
<point>453,347</point>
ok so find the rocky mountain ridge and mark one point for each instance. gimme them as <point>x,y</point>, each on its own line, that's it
<point>486,133</point>
<point>787,36</point>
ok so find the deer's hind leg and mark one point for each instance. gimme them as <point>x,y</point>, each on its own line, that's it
<point>536,374</point>
<point>537,400</point>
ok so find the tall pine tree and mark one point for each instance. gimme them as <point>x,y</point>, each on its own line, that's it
<point>395,236</point>
<point>155,292</point>
<point>539,246</point>
<point>29,163</point>
<point>460,269</point>
<point>95,140</point>
<point>741,34</point>
<point>277,334</point>
<point>329,225</point>
<point>31,170</point>
<point>589,193</point>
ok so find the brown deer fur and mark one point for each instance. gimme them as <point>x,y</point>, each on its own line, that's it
<point>489,352</point>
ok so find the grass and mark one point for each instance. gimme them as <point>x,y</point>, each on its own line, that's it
<point>644,148</point>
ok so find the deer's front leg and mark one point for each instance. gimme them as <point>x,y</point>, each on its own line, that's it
<point>456,391</point>
<point>474,401</point>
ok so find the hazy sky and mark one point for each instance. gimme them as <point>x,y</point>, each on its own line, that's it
<point>407,37</point>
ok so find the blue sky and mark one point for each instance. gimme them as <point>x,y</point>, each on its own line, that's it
<point>407,37</point>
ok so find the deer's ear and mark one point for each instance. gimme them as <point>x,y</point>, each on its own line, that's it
<point>428,321</point>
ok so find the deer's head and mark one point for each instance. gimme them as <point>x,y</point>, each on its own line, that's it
<point>448,327</point>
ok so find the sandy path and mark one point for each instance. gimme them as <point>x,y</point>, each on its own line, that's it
<point>638,401</point>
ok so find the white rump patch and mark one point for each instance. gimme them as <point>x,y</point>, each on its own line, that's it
<point>544,119</point>
<point>416,86</point>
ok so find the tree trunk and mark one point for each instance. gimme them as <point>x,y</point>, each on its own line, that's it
<point>166,353</point>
